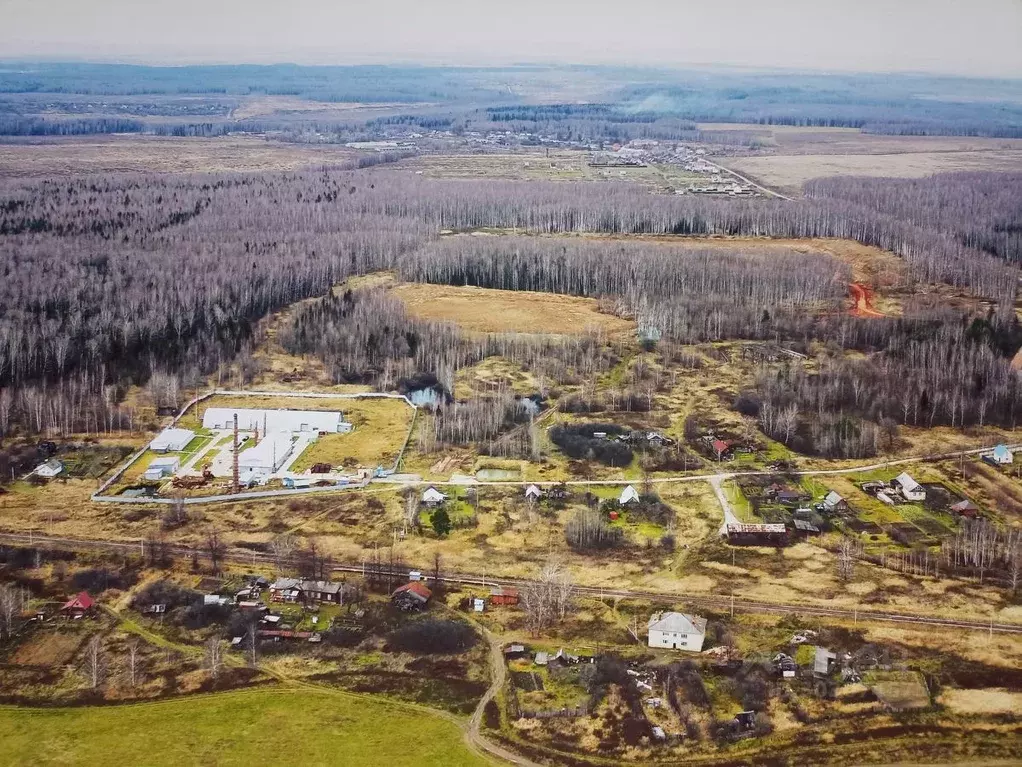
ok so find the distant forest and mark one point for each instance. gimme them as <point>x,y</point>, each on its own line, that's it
<point>631,103</point>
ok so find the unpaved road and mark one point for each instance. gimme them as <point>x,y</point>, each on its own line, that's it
<point>473,735</point>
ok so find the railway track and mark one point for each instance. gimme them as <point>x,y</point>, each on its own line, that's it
<point>715,602</point>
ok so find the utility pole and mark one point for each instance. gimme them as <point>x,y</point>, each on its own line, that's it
<point>234,467</point>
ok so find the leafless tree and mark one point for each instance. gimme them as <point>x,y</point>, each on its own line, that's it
<point>12,601</point>
<point>134,661</point>
<point>214,657</point>
<point>846,559</point>
<point>283,547</point>
<point>547,600</point>
<point>95,661</point>
<point>252,640</point>
<point>216,549</point>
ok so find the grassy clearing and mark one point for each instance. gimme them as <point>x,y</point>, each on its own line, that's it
<point>381,426</point>
<point>243,728</point>
<point>506,311</point>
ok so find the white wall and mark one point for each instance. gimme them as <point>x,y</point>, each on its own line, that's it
<point>669,639</point>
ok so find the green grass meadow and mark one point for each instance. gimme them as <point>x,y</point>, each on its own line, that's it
<point>267,727</point>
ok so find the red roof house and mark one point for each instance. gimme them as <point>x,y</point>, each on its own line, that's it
<point>79,605</point>
<point>720,447</point>
<point>411,596</point>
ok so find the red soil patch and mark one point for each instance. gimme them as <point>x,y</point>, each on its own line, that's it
<point>863,297</point>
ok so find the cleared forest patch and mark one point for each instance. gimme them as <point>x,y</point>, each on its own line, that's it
<point>790,172</point>
<point>484,310</point>
<point>125,154</point>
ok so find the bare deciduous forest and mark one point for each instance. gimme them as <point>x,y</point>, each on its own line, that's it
<point>110,281</point>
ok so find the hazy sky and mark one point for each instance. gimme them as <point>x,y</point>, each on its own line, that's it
<point>976,37</point>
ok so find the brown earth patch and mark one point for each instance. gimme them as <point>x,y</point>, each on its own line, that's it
<point>484,310</point>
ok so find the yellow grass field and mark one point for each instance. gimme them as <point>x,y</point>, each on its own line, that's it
<point>381,426</point>
<point>504,311</point>
<point>985,701</point>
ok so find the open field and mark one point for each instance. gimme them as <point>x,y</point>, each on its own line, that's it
<point>381,426</point>
<point>265,726</point>
<point>790,155</point>
<point>790,172</point>
<point>264,105</point>
<point>792,139</point>
<point>118,154</point>
<point>506,311</point>
<point>538,165</point>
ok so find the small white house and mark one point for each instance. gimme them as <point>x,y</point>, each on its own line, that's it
<point>161,467</point>
<point>911,489</point>
<point>50,469</point>
<point>628,495</point>
<point>677,631</point>
<point>171,440</point>
<point>533,493</point>
<point>433,497</point>
<point>1002,455</point>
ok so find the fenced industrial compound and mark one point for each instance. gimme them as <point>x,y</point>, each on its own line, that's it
<point>101,495</point>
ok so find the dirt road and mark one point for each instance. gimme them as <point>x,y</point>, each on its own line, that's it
<point>498,677</point>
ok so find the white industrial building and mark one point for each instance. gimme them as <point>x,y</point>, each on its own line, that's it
<point>171,440</point>
<point>271,421</point>
<point>269,455</point>
<point>162,467</point>
<point>677,631</point>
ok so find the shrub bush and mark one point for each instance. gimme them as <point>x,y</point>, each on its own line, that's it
<point>433,636</point>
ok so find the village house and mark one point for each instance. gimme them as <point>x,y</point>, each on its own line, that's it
<point>965,508</point>
<point>323,591</point>
<point>411,596</point>
<point>78,606</point>
<point>433,497</point>
<point>533,493</point>
<point>768,534</point>
<point>834,503</point>
<point>628,495</point>
<point>304,591</point>
<point>909,488</point>
<point>1001,456</point>
<point>677,631</point>
<point>286,590</point>
<point>49,469</point>
<point>720,448</point>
